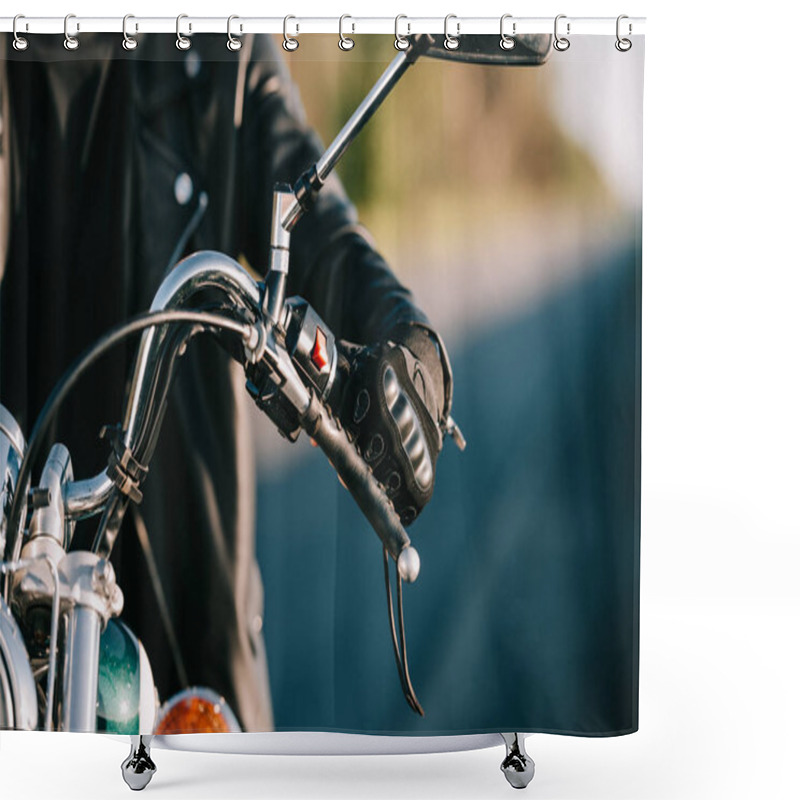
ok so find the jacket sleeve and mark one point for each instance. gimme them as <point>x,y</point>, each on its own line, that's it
<point>332,262</point>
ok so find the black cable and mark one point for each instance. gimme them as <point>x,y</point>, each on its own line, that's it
<point>400,654</point>
<point>70,377</point>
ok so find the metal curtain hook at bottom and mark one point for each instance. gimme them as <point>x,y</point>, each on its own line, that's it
<point>71,42</point>
<point>561,43</point>
<point>128,41</point>
<point>182,42</point>
<point>451,42</point>
<point>401,42</point>
<point>345,42</point>
<point>20,42</point>
<point>623,44</point>
<point>507,42</point>
<point>234,42</point>
<point>290,44</point>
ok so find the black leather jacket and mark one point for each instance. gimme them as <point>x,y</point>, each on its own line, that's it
<point>114,165</point>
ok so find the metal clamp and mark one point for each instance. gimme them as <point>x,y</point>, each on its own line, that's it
<point>507,42</point>
<point>71,42</point>
<point>623,44</point>
<point>561,43</point>
<point>401,42</point>
<point>290,44</point>
<point>20,43</point>
<point>451,42</point>
<point>128,42</point>
<point>345,42</point>
<point>234,42</point>
<point>182,42</point>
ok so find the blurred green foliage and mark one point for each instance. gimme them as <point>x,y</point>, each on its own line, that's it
<point>454,146</point>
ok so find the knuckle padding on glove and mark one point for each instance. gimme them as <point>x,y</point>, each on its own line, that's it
<point>393,428</point>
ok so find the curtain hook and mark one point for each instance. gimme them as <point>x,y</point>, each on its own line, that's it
<point>345,42</point>
<point>623,45</point>
<point>561,43</point>
<point>128,42</point>
<point>234,42</point>
<point>182,42</point>
<point>290,44</point>
<point>507,42</point>
<point>400,42</point>
<point>20,42</point>
<point>71,42</point>
<point>451,42</point>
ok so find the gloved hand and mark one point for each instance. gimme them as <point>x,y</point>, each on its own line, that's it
<point>393,400</point>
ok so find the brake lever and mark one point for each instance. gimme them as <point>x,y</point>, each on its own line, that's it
<point>291,386</point>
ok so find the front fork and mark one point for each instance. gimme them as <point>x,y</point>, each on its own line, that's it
<point>78,587</point>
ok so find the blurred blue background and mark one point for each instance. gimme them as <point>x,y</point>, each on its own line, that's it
<point>509,202</point>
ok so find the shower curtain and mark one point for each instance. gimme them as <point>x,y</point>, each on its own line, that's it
<point>496,207</point>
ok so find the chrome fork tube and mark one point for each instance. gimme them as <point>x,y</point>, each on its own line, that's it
<point>81,660</point>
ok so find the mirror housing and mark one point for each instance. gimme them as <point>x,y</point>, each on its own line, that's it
<point>530,49</point>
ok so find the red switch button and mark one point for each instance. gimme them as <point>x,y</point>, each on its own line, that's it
<point>319,353</point>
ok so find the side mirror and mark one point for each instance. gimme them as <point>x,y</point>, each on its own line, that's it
<point>530,49</point>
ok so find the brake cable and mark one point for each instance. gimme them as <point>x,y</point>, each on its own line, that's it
<point>400,653</point>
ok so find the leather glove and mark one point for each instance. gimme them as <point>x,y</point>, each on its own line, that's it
<point>393,401</point>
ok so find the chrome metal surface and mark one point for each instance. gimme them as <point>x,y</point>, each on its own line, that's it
<point>81,657</point>
<point>12,449</point>
<point>623,44</point>
<point>182,42</point>
<point>602,26</point>
<point>85,498</point>
<point>560,43</point>
<point>362,114</point>
<point>316,743</point>
<point>18,704</point>
<point>345,42</point>
<point>368,106</point>
<point>401,42</point>
<point>290,44</point>
<point>49,520</point>
<point>507,42</point>
<point>203,270</point>
<point>234,42</point>
<point>517,766</point>
<point>451,42</point>
<point>138,768</point>
<point>71,42</point>
<point>408,564</point>
<point>20,43</point>
<point>128,42</point>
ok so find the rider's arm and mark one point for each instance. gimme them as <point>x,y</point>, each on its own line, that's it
<point>333,264</point>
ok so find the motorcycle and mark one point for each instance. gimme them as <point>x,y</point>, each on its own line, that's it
<point>66,662</point>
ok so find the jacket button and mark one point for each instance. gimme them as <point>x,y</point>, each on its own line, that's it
<point>183,188</point>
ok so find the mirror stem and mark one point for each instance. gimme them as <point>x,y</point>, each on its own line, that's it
<point>310,183</point>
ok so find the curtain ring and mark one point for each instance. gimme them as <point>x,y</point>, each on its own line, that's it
<point>623,45</point>
<point>128,42</point>
<point>290,44</point>
<point>451,42</point>
<point>400,42</point>
<point>71,42</point>
<point>345,42</point>
<point>182,42</point>
<point>234,42</point>
<point>20,42</point>
<point>507,42</point>
<point>561,43</point>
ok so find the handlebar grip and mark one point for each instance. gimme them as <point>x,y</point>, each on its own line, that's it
<point>361,483</point>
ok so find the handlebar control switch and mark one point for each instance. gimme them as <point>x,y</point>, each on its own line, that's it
<point>311,345</point>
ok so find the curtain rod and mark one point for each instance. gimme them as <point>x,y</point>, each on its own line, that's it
<point>299,24</point>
